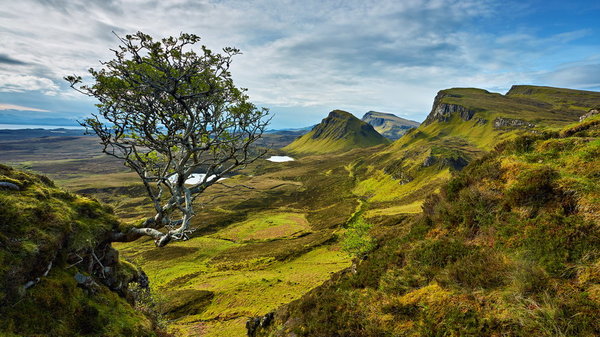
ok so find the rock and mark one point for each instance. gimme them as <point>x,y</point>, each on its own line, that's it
<point>589,114</point>
<point>82,279</point>
<point>481,121</point>
<point>10,186</point>
<point>455,163</point>
<point>253,324</point>
<point>510,123</point>
<point>443,112</point>
<point>430,160</point>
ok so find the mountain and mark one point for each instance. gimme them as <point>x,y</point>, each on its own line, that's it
<point>464,124</point>
<point>276,139</point>
<point>58,276</point>
<point>389,125</point>
<point>508,247</point>
<point>339,132</point>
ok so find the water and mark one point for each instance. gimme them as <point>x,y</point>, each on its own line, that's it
<point>195,178</point>
<point>33,126</point>
<point>280,159</point>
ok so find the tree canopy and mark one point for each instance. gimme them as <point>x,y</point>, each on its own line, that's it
<point>168,112</point>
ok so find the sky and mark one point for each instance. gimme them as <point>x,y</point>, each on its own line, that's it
<point>302,59</point>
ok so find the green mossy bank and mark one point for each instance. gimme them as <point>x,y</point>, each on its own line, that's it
<point>58,276</point>
<point>508,247</point>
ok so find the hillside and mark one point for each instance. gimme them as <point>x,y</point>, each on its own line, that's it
<point>508,247</point>
<point>58,276</point>
<point>260,247</point>
<point>465,123</point>
<point>339,132</point>
<point>389,125</point>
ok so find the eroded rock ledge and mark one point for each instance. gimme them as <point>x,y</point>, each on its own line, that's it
<point>511,123</point>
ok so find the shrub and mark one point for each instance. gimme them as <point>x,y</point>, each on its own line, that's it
<point>534,187</point>
<point>438,252</point>
<point>529,278</point>
<point>482,268</point>
<point>357,240</point>
<point>399,281</point>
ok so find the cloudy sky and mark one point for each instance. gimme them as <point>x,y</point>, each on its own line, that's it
<point>304,58</point>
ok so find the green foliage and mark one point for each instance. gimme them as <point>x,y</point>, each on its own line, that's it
<point>42,224</point>
<point>438,253</point>
<point>168,111</point>
<point>508,247</point>
<point>534,187</point>
<point>356,240</point>
<point>482,268</point>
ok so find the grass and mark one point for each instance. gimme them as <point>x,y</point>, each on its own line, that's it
<point>339,132</point>
<point>266,227</point>
<point>258,249</point>
<point>490,254</point>
<point>249,290</point>
<point>381,187</point>
<point>255,249</point>
<point>412,208</point>
<point>40,226</point>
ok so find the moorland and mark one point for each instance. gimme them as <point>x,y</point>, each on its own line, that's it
<point>483,220</point>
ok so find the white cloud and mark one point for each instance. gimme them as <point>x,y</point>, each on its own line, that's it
<point>19,107</point>
<point>358,54</point>
<point>22,83</point>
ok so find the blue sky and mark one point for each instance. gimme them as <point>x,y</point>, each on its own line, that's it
<point>304,58</point>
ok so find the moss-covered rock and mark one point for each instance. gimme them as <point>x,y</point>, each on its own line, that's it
<point>58,274</point>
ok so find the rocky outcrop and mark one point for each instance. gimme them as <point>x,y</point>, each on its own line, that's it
<point>10,186</point>
<point>511,123</point>
<point>429,161</point>
<point>255,323</point>
<point>589,114</point>
<point>456,164</point>
<point>442,112</point>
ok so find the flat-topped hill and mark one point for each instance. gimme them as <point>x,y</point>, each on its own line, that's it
<point>389,125</point>
<point>463,124</point>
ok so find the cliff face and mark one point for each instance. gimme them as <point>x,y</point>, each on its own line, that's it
<point>340,131</point>
<point>58,275</point>
<point>442,112</point>
<point>389,125</point>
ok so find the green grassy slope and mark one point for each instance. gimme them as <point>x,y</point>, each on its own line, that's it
<point>254,249</point>
<point>576,101</point>
<point>339,132</point>
<point>47,236</point>
<point>509,247</point>
<point>463,124</point>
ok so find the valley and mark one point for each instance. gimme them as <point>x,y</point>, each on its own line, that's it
<point>271,237</point>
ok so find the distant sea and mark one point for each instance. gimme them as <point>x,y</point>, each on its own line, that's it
<point>33,126</point>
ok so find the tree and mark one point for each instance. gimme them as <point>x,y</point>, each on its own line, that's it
<point>169,112</point>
